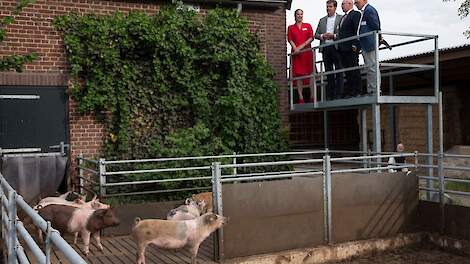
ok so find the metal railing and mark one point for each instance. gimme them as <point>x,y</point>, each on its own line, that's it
<point>325,171</point>
<point>95,175</point>
<point>232,169</point>
<point>388,69</point>
<point>13,231</point>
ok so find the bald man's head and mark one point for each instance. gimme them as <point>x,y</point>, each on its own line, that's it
<point>347,5</point>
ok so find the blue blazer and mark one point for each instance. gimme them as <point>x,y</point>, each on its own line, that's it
<point>370,22</point>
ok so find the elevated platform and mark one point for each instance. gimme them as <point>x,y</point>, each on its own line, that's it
<point>362,101</point>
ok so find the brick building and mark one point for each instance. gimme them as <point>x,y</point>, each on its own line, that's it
<point>410,120</point>
<point>33,32</point>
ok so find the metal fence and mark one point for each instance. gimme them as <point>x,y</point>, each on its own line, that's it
<point>15,235</point>
<point>218,170</point>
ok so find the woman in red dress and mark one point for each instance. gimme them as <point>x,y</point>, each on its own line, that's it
<point>300,35</point>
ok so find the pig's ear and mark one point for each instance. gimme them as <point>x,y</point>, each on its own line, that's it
<point>209,218</point>
<point>101,212</point>
<point>94,197</point>
<point>187,201</point>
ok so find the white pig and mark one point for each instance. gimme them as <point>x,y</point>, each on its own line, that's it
<point>170,234</point>
<point>190,210</point>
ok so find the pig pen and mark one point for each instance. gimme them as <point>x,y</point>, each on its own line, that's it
<point>272,216</point>
<point>376,218</point>
<point>309,208</point>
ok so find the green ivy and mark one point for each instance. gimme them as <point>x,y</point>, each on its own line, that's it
<point>174,84</point>
<point>172,78</point>
<point>14,62</point>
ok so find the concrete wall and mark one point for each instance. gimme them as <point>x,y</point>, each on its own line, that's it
<point>278,215</point>
<point>286,214</point>
<point>373,205</point>
<point>272,216</point>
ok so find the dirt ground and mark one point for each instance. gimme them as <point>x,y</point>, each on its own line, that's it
<point>413,255</point>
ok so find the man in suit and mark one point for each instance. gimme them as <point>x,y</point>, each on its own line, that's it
<point>349,50</point>
<point>326,32</point>
<point>369,22</point>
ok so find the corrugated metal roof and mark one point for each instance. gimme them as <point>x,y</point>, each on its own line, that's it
<point>427,53</point>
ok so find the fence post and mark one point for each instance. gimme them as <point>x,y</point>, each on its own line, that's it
<point>12,258</point>
<point>441,190</point>
<point>234,162</point>
<point>102,178</point>
<point>80,173</point>
<point>416,160</point>
<point>327,198</point>
<point>48,242</point>
<point>218,206</point>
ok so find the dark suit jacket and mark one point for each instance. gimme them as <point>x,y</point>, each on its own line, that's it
<point>370,22</point>
<point>348,28</point>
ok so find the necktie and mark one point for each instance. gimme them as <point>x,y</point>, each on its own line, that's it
<point>342,20</point>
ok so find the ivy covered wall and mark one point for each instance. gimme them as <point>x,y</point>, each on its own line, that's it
<point>174,84</point>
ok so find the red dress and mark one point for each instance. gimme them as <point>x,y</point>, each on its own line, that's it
<point>302,64</point>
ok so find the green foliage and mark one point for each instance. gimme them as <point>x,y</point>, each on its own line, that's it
<point>14,62</point>
<point>174,84</point>
<point>464,11</point>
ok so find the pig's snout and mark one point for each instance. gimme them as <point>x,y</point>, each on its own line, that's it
<point>115,222</point>
<point>110,218</point>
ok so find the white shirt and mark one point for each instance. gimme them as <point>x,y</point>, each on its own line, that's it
<point>330,26</point>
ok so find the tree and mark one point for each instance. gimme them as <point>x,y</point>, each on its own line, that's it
<point>464,11</point>
<point>14,62</point>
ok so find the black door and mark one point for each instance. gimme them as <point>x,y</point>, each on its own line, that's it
<point>33,123</point>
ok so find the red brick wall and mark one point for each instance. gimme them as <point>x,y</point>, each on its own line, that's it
<point>33,31</point>
<point>271,28</point>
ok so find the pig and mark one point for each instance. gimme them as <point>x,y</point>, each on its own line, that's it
<point>93,204</point>
<point>72,196</point>
<point>207,198</point>
<point>171,234</point>
<point>190,210</point>
<point>68,219</point>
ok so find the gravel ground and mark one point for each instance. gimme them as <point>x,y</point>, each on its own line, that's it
<point>413,255</point>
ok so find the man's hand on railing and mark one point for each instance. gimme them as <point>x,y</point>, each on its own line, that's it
<point>382,41</point>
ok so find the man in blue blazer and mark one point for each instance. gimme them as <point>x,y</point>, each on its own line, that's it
<point>369,22</point>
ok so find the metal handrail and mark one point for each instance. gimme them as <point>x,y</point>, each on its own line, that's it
<point>377,64</point>
<point>9,206</point>
<point>107,162</point>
